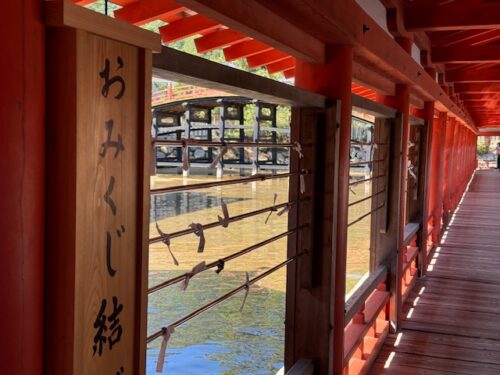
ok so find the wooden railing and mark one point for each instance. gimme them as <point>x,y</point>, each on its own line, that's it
<point>366,322</point>
<point>409,253</point>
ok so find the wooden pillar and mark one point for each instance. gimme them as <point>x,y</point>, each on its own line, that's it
<point>438,187</point>
<point>429,177</point>
<point>446,167</point>
<point>402,102</point>
<point>333,79</point>
<point>449,171</point>
<point>98,150</point>
<point>22,196</point>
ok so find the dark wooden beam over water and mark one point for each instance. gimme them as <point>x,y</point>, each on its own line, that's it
<point>179,66</point>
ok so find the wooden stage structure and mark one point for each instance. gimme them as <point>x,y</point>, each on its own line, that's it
<point>76,162</point>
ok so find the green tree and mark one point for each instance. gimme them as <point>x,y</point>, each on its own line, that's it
<point>482,148</point>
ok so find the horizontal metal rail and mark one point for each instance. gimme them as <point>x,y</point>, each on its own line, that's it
<point>228,258</point>
<point>361,143</point>
<point>357,299</point>
<point>222,298</point>
<point>204,143</point>
<point>204,185</point>
<point>366,198</point>
<point>366,162</point>
<point>365,180</point>
<point>365,215</point>
<point>230,220</point>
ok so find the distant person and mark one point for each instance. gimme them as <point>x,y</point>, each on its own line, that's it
<point>498,155</point>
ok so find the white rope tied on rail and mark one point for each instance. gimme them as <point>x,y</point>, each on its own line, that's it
<point>298,148</point>
<point>222,151</point>
<point>198,230</point>
<point>165,238</point>
<point>273,208</point>
<point>410,170</point>
<point>200,267</point>
<point>302,182</point>
<point>167,332</point>
<point>185,155</point>
<point>352,190</point>
<point>224,221</point>
<point>247,291</point>
<point>410,144</point>
<point>285,209</point>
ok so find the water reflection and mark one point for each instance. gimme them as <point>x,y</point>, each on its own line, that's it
<point>222,340</point>
<point>179,203</point>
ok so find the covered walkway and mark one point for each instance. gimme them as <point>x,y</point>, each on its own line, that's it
<point>452,318</point>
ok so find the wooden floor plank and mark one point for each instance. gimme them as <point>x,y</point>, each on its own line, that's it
<point>451,319</point>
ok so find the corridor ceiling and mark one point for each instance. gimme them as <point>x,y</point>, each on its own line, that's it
<point>460,39</point>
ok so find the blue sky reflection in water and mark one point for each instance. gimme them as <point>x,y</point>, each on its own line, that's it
<point>221,340</point>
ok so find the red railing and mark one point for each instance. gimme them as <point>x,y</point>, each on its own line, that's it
<point>409,269</point>
<point>184,92</point>
<point>367,323</point>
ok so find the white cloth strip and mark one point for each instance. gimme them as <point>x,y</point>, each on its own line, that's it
<point>247,291</point>
<point>302,184</point>
<point>165,238</point>
<point>200,267</point>
<point>273,208</point>
<point>198,230</point>
<point>167,332</point>
<point>285,210</point>
<point>222,151</point>
<point>298,148</point>
<point>224,221</point>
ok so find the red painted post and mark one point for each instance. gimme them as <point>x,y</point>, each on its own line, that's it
<point>402,101</point>
<point>22,187</point>
<point>439,163</point>
<point>448,162</point>
<point>333,79</point>
<point>430,177</point>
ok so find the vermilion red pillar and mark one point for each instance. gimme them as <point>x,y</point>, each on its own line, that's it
<point>333,79</point>
<point>448,162</point>
<point>402,102</point>
<point>438,205</point>
<point>430,181</point>
<point>21,187</point>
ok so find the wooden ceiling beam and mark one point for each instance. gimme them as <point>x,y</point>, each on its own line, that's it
<point>469,97</point>
<point>145,11</point>
<point>186,27</point>
<point>182,67</point>
<point>470,75</point>
<point>453,17</point>
<point>265,58</point>
<point>477,87</point>
<point>218,39</point>
<point>281,66</point>
<point>289,74</point>
<point>255,20</point>
<point>245,49</point>
<point>469,54</point>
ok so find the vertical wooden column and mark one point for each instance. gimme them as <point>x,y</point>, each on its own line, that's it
<point>427,183</point>
<point>448,170</point>
<point>402,102</point>
<point>438,187</point>
<point>22,195</point>
<point>333,79</point>
<point>98,151</point>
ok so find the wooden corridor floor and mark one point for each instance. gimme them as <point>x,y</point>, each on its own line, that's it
<point>452,317</point>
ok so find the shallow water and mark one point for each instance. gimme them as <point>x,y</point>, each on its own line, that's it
<point>223,340</point>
